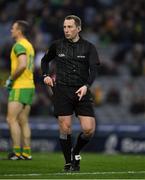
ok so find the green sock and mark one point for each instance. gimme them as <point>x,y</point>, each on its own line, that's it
<point>17,150</point>
<point>27,150</point>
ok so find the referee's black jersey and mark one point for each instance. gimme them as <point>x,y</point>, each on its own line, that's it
<point>76,62</point>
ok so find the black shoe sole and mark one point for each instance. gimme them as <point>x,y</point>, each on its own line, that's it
<point>75,169</point>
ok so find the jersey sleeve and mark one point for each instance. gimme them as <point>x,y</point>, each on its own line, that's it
<point>93,58</point>
<point>93,63</point>
<point>19,49</point>
<point>49,55</point>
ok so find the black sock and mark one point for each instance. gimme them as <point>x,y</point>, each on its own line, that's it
<point>81,142</point>
<point>66,145</point>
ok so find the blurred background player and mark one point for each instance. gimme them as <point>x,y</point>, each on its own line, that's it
<point>20,85</point>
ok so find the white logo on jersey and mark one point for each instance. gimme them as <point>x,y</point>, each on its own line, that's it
<point>81,56</point>
<point>61,55</point>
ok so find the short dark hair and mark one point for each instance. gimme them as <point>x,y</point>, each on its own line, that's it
<point>75,18</point>
<point>24,26</point>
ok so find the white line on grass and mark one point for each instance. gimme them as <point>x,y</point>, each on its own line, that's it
<point>78,173</point>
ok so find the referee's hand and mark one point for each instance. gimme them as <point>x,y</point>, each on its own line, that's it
<point>48,81</point>
<point>81,92</point>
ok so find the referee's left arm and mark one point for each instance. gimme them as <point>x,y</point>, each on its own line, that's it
<point>93,63</point>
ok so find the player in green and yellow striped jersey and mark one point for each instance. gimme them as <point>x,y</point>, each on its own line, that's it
<point>21,88</point>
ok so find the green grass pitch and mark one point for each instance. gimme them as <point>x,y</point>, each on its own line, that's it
<point>93,166</point>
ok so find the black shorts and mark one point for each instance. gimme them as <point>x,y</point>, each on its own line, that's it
<point>66,102</point>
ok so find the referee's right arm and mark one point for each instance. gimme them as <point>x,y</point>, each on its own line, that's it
<point>49,55</point>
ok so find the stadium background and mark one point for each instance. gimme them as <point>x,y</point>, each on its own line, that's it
<point>117,28</point>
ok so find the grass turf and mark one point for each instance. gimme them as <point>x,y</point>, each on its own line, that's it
<point>93,166</point>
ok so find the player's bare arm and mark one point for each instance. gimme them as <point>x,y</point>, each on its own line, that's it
<point>22,64</point>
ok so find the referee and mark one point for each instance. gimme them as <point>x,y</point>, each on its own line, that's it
<point>76,66</point>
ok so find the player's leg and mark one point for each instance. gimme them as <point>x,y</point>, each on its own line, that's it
<point>85,112</point>
<point>63,110</point>
<point>65,139</point>
<point>26,131</point>
<point>88,128</point>
<point>14,109</point>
